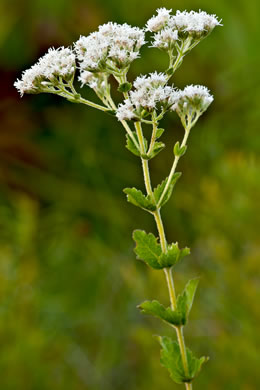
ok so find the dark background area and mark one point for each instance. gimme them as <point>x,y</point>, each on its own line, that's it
<point>69,281</point>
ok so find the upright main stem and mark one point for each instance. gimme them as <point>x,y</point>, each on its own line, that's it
<point>163,242</point>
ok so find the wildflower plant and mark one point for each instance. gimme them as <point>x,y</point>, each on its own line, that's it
<point>109,53</point>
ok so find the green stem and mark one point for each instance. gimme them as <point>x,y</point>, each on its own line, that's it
<point>174,165</point>
<point>145,165</point>
<point>163,242</point>
<point>153,138</point>
<point>177,62</point>
<point>65,93</point>
<point>92,104</point>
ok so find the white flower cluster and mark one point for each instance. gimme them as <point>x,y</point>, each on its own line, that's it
<point>194,22</point>
<point>125,111</point>
<point>113,44</point>
<point>56,63</point>
<point>157,22</point>
<point>193,98</point>
<point>169,28</point>
<point>150,91</point>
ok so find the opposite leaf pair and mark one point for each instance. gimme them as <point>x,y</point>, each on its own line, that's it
<point>177,316</point>
<point>172,360</point>
<point>152,203</point>
<point>148,250</point>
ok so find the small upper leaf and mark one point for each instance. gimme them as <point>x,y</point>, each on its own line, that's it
<point>158,191</point>
<point>147,248</point>
<point>194,363</point>
<point>124,87</point>
<point>173,255</point>
<point>185,300</point>
<point>166,314</point>
<point>179,151</point>
<point>158,146</point>
<point>137,198</point>
<point>130,145</point>
<point>159,132</point>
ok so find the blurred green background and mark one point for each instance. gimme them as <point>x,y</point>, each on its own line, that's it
<point>69,281</point>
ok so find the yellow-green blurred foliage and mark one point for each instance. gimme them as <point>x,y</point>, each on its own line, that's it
<point>69,281</point>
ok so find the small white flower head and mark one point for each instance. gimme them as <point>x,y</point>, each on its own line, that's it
<point>150,91</point>
<point>192,101</point>
<point>30,81</point>
<point>56,63</point>
<point>197,24</point>
<point>165,39</point>
<point>93,80</point>
<point>157,22</point>
<point>113,45</point>
<point>125,111</point>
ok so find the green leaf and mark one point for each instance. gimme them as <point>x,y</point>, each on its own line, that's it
<point>130,145</point>
<point>125,87</point>
<point>171,359</point>
<point>194,363</point>
<point>137,198</point>
<point>147,248</point>
<point>158,191</point>
<point>179,151</point>
<point>185,300</point>
<point>158,146</point>
<point>159,132</point>
<point>173,255</point>
<point>156,309</point>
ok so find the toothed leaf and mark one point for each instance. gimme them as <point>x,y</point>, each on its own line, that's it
<point>137,198</point>
<point>194,363</point>
<point>130,145</point>
<point>173,255</point>
<point>185,300</point>
<point>172,360</point>
<point>156,309</point>
<point>147,248</point>
<point>158,191</point>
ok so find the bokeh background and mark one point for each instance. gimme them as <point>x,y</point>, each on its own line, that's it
<point>69,281</point>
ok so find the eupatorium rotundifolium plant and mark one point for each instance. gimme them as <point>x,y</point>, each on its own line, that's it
<point>109,53</point>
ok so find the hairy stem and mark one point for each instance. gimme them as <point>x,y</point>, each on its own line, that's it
<point>163,242</point>
<point>174,165</point>
<point>145,164</point>
<point>153,138</point>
